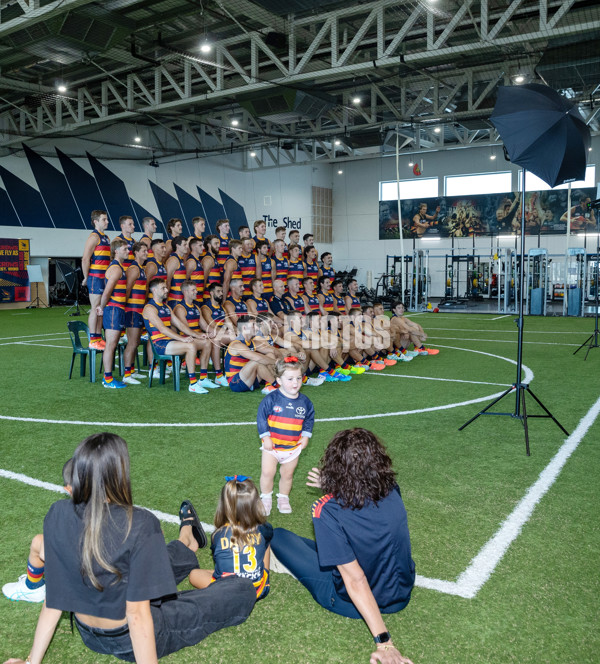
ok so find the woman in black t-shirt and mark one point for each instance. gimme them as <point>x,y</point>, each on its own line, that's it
<point>107,562</point>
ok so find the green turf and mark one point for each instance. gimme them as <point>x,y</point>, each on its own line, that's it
<point>541,603</point>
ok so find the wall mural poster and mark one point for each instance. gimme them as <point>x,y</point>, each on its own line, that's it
<point>488,214</point>
<point>14,281</point>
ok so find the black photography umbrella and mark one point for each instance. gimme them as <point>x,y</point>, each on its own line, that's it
<point>545,134</point>
<point>542,132</point>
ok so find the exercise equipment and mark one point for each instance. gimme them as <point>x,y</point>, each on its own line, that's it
<point>537,282</point>
<point>574,284</point>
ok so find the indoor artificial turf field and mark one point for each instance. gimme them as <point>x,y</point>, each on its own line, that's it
<point>540,603</point>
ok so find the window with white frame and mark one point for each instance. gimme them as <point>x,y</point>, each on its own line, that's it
<point>533,183</point>
<point>415,188</point>
<point>481,183</point>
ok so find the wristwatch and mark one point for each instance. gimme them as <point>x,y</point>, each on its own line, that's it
<point>384,637</point>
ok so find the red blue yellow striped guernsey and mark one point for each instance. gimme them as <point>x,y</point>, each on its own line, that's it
<point>296,269</point>
<point>197,276</point>
<point>164,313</point>
<point>192,315</point>
<point>130,242</point>
<point>145,236</point>
<point>224,253</point>
<point>161,270</point>
<point>312,270</point>
<point>216,313</point>
<point>266,266</point>
<point>235,363</point>
<point>327,302</point>
<point>281,269</point>
<point>100,257</point>
<point>341,304</point>
<point>137,296</point>
<point>285,420</point>
<point>313,303</point>
<point>247,265</point>
<point>119,294</point>
<point>179,276</point>
<point>318,505</point>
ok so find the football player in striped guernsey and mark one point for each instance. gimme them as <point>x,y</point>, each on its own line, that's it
<point>193,266</point>
<point>351,300</point>
<point>234,305</point>
<point>149,226</point>
<point>199,224</point>
<point>280,232</point>
<point>174,229</point>
<point>245,368</point>
<point>248,264</point>
<point>94,262</point>
<point>223,234</point>
<point>326,266</point>
<point>339,303</point>
<point>176,272</point>
<point>127,227</point>
<point>160,324</point>
<point>137,287</point>
<point>155,266</point>
<point>260,229</point>
<point>285,423</point>
<point>233,264</point>
<point>112,308</point>
<point>280,261</point>
<point>265,268</point>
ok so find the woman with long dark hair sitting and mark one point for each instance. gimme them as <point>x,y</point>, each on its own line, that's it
<point>360,565</point>
<point>107,562</point>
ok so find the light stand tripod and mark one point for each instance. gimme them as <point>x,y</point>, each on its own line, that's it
<point>71,278</point>
<point>520,388</point>
<point>592,340</point>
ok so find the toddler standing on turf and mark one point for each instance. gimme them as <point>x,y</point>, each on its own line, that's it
<point>285,422</point>
<point>241,542</point>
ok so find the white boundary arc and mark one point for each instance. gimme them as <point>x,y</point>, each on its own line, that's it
<point>527,379</point>
<point>480,568</point>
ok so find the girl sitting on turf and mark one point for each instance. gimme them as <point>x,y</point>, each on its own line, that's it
<point>285,422</point>
<point>241,541</point>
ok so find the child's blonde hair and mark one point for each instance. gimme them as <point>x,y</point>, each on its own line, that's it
<point>241,508</point>
<point>290,362</point>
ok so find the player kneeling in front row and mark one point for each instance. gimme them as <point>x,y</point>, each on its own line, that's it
<point>159,321</point>
<point>245,367</point>
<point>285,422</point>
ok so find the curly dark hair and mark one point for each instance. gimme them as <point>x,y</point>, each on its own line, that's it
<point>356,468</point>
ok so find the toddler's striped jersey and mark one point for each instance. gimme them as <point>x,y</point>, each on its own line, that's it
<point>285,420</point>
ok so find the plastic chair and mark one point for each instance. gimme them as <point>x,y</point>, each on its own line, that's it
<point>76,327</point>
<point>162,362</point>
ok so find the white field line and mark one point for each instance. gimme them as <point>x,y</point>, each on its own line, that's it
<point>34,340</point>
<point>503,316</point>
<point>31,343</point>
<point>482,566</point>
<point>499,341</point>
<point>32,336</point>
<point>445,380</point>
<point>469,330</point>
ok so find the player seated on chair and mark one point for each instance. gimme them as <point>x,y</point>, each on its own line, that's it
<point>188,310</point>
<point>160,321</point>
<point>245,367</point>
<point>406,332</point>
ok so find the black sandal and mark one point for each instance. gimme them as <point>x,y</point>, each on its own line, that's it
<point>188,517</point>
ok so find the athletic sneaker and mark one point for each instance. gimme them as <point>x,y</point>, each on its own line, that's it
<point>283,504</point>
<point>268,389</point>
<point>431,351</point>
<point>421,351</point>
<point>267,502</point>
<point>411,353</point>
<point>404,357</point>
<point>222,381</point>
<point>376,366</point>
<point>389,362</point>
<point>208,384</point>
<point>328,377</point>
<point>344,372</point>
<point>315,381</point>
<point>364,367</point>
<point>168,372</point>
<point>130,380</point>
<point>138,375</point>
<point>197,388</point>
<point>341,377</point>
<point>97,344</point>
<point>358,369</point>
<point>114,384</point>
<point>20,591</point>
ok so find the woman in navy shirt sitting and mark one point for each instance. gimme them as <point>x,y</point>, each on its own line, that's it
<point>360,565</point>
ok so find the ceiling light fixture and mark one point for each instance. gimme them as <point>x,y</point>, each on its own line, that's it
<point>61,87</point>
<point>356,99</point>
<point>519,78</point>
<point>338,142</point>
<point>253,154</point>
<point>437,130</point>
<point>492,157</point>
<point>411,164</point>
<point>205,46</point>
<point>234,122</point>
<point>137,139</point>
<point>340,172</point>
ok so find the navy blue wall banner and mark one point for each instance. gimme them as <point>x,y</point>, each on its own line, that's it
<point>488,214</point>
<point>14,281</point>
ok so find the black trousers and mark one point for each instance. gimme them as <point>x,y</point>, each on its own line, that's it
<point>184,619</point>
